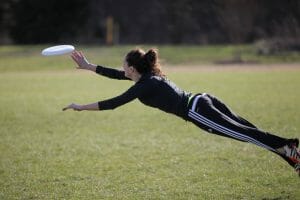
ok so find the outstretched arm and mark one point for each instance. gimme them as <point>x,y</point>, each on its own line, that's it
<point>82,63</point>
<point>132,93</point>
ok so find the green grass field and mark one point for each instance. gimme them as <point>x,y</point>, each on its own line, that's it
<point>137,152</point>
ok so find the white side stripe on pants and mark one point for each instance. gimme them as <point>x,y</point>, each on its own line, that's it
<point>199,118</point>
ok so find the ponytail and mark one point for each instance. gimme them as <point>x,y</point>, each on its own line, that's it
<point>145,62</point>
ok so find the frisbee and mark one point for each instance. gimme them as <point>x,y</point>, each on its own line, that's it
<point>58,50</point>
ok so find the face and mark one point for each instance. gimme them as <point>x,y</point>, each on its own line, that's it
<point>128,70</point>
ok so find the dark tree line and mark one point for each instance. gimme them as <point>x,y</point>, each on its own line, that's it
<point>152,21</point>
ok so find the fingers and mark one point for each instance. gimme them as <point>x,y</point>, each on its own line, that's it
<point>76,56</point>
<point>66,108</point>
<point>72,106</point>
<point>80,60</point>
<point>81,54</point>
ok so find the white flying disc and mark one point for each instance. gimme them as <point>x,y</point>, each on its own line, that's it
<point>58,50</point>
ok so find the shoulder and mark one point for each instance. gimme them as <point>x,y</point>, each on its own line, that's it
<point>148,82</point>
<point>151,80</point>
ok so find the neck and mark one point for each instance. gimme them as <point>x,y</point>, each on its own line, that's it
<point>136,77</point>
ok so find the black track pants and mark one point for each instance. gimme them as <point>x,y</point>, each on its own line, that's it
<point>210,114</point>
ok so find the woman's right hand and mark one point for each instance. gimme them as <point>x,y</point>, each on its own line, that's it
<point>81,61</point>
<point>73,106</point>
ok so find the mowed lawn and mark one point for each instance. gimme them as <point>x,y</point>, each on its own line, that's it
<point>137,152</point>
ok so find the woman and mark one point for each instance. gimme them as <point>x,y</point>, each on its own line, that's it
<point>152,88</point>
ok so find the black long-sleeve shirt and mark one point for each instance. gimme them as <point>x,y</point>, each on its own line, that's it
<point>151,90</point>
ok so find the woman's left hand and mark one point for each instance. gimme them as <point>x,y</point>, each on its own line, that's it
<point>81,61</point>
<point>73,106</point>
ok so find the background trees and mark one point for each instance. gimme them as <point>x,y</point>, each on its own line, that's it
<point>153,21</point>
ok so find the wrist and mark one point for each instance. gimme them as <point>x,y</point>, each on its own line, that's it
<point>91,67</point>
<point>81,107</point>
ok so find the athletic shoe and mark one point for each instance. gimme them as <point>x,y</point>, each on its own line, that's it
<point>293,155</point>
